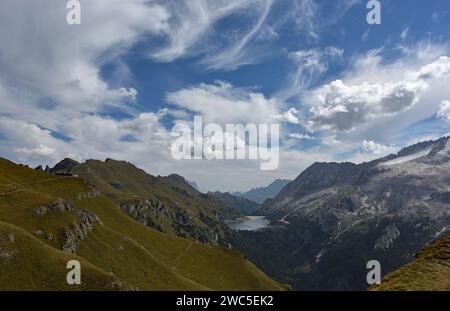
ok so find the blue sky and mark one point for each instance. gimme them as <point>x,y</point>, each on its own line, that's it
<point>114,86</point>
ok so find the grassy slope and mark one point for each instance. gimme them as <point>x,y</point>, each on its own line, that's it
<point>429,272</point>
<point>123,182</point>
<point>140,257</point>
<point>37,265</point>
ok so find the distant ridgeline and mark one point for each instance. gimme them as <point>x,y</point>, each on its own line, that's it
<point>260,195</point>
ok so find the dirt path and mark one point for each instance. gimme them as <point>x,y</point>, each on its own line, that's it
<point>22,185</point>
<point>181,256</point>
<point>43,181</point>
<point>8,185</point>
<point>11,192</point>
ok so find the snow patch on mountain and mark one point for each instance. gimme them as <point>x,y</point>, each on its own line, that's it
<point>407,158</point>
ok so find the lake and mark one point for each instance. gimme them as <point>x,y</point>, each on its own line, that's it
<point>250,223</point>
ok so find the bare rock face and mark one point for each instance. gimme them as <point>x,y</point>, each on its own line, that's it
<point>93,193</point>
<point>11,238</point>
<point>39,232</point>
<point>79,231</point>
<point>386,241</point>
<point>146,212</point>
<point>7,255</point>
<point>138,208</point>
<point>40,211</point>
<point>64,167</point>
<point>59,205</point>
<point>116,285</point>
<point>89,219</point>
<point>149,212</point>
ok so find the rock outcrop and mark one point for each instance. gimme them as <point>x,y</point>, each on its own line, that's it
<point>79,231</point>
<point>386,241</point>
<point>7,250</point>
<point>59,205</point>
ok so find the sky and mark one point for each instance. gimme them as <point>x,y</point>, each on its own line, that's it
<point>115,85</point>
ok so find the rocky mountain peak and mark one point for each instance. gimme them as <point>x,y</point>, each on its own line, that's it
<point>64,167</point>
<point>387,209</point>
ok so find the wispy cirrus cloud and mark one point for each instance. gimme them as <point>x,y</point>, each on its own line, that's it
<point>193,28</point>
<point>193,25</point>
<point>309,66</point>
<point>240,52</point>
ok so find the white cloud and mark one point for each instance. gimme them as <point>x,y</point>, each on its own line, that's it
<point>437,69</point>
<point>290,116</point>
<point>369,146</point>
<point>28,142</point>
<point>88,137</point>
<point>339,106</point>
<point>300,136</point>
<point>41,53</point>
<point>342,107</point>
<point>51,82</point>
<point>42,151</point>
<point>444,111</point>
<point>223,103</point>
<point>330,140</point>
<point>405,33</point>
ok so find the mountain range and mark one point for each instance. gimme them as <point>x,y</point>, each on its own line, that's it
<point>241,204</point>
<point>260,195</point>
<point>335,217</point>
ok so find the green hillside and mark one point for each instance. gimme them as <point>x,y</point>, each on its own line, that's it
<point>168,204</point>
<point>42,214</point>
<point>430,271</point>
